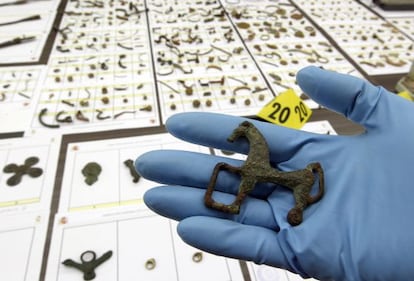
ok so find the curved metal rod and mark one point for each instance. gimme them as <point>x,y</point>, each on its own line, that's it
<point>42,113</point>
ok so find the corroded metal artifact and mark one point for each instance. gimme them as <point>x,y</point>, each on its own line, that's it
<point>197,257</point>
<point>88,263</point>
<point>135,176</point>
<point>150,264</point>
<point>257,169</point>
<point>91,171</point>
<point>21,170</point>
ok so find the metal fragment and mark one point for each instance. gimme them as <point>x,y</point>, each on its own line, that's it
<point>88,263</point>
<point>147,108</point>
<point>135,176</point>
<point>60,119</point>
<point>91,171</point>
<point>197,257</point>
<point>20,170</point>
<point>42,113</point>
<point>150,264</point>
<point>81,117</point>
<point>124,112</point>
<point>257,169</point>
<point>100,115</point>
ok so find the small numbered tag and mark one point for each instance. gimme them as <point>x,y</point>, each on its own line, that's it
<point>406,95</point>
<point>287,109</point>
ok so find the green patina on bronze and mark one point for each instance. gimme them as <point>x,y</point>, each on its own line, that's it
<point>88,264</point>
<point>135,176</point>
<point>21,170</point>
<point>91,171</point>
<point>257,169</point>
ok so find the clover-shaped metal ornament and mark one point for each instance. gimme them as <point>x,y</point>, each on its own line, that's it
<point>21,170</point>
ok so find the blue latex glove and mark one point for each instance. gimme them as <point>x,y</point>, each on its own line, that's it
<point>362,229</point>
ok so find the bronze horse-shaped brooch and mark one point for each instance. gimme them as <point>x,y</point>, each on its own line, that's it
<point>257,169</point>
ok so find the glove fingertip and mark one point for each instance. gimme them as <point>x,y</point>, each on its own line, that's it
<point>185,231</point>
<point>305,74</point>
<point>351,96</point>
<point>179,122</point>
<point>142,164</point>
<point>152,199</point>
<point>150,196</point>
<point>234,240</point>
<point>174,121</point>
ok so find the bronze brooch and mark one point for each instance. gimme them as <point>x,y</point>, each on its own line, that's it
<point>257,169</point>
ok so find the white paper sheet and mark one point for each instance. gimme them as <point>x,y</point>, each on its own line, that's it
<point>268,273</point>
<point>115,186</point>
<point>22,240</point>
<point>372,42</point>
<point>32,193</point>
<point>19,90</point>
<point>38,28</point>
<point>134,237</point>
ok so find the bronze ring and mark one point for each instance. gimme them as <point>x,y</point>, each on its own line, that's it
<point>197,257</point>
<point>150,264</point>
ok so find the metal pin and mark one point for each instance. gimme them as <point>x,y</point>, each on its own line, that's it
<point>221,50</point>
<point>124,112</point>
<point>238,80</point>
<point>68,103</point>
<point>168,86</point>
<point>23,95</point>
<point>147,108</point>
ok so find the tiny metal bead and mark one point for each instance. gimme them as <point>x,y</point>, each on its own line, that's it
<point>196,103</point>
<point>105,100</point>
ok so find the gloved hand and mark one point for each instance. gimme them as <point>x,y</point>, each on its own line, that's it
<point>362,229</point>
